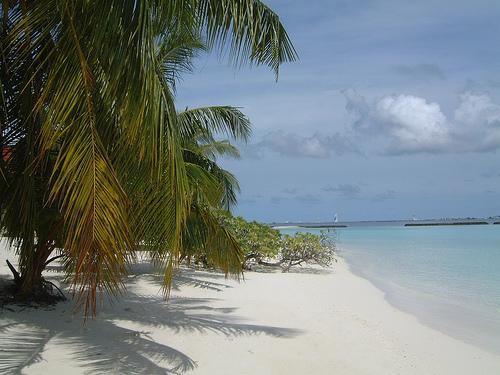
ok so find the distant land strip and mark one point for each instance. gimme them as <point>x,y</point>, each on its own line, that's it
<point>452,223</point>
<point>323,226</point>
<point>404,223</point>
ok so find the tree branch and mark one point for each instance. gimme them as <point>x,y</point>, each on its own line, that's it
<point>17,276</point>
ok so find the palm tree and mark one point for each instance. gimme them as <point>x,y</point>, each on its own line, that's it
<point>95,161</point>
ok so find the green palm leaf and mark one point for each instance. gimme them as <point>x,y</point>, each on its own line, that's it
<point>252,30</point>
<point>216,119</point>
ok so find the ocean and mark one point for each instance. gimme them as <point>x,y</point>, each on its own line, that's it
<point>447,276</point>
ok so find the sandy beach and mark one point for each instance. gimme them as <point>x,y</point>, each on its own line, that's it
<point>313,321</point>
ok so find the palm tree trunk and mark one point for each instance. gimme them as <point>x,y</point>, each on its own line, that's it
<point>32,279</point>
<point>29,280</point>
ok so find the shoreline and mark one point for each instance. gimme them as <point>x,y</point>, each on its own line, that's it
<point>314,321</point>
<point>436,313</point>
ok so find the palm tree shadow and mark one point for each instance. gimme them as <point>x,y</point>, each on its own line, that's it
<point>186,276</point>
<point>114,349</point>
<point>112,342</point>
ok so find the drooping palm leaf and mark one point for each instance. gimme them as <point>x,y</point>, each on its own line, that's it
<point>252,30</point>
<point>219,148</point>
<point>215,119</point>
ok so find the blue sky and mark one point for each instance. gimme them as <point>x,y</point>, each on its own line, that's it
<point>392,111</point>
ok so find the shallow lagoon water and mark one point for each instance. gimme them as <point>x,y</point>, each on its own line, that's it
<point>447,276</point>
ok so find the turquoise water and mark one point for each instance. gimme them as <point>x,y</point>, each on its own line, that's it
<point>447,276</point>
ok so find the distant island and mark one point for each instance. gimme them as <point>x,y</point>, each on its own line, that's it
<point>447,223</point>
<point>405,223</point>
<point>323,226</point>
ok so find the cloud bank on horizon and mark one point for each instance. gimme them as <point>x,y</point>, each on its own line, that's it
<point>414,125</point>
<point>410,125</point>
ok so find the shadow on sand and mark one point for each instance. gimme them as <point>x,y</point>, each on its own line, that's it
<point>297,269</point>
<point>105,345</point>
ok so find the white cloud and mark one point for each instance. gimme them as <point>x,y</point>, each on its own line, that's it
<point>414,124</point>
<point>411,124</point>
<point>317,146</point>
<point>477,123</point>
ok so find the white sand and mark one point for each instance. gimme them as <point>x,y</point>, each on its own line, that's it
<point>299,323</point>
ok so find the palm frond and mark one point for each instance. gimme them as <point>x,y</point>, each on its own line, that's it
<point>216,119</point>
<point>219,148</point>
<point>175,54</point>
<point>206,236</point>
<point>251,29</point>
<point>84,181</point>
<point>227,184</point>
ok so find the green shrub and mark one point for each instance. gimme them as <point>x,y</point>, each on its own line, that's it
<point>306,248</point>
<point>265,246</point>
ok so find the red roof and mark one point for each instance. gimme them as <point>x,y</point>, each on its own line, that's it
<point>6,152</point>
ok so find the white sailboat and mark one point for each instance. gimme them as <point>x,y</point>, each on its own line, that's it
<point>335,219</point>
